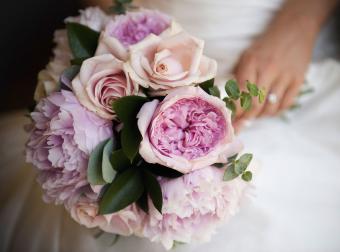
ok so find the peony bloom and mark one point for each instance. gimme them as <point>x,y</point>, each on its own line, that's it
<point>170,62</point>
<point>101,81</point>
<point>193,206</point>
<point>92,17</point>
<point>64,134</point>
<point>48,78</point>
<point>187,131</point>
<point>129,29</point>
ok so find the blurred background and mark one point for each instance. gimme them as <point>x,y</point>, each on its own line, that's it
<point>27,32</point>
<point>26,43</point>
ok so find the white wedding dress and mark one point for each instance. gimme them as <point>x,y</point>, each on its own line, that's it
<point>296,206</point>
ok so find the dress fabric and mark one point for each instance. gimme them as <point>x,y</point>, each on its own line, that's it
<point>296,204</point>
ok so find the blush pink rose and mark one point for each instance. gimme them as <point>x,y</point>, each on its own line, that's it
<point>163,63</point>
<point>101,81</point>
<point>187,131</point>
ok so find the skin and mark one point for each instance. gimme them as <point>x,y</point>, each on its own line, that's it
<point>278,59</point>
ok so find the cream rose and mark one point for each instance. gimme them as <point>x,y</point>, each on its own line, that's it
<point>101,81</point>
<point>170,62</point>
<point>187,131</point>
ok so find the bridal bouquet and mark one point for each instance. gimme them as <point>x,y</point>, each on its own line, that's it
<point>130,134</point>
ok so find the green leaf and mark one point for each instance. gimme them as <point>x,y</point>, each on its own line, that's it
<point>232,89</point>
<point>130,139</point>
<point>262,95</point>
<point>229,173</point>
<point>94,169</point>
<point>247,176</point>
<point>67,76</point>
<point>306,91</point>
<point>142,202</point>
<point>230,104</point>
<point>215,91</point>
<point>119,160</point>
<point>154,190</point>
<point>246,100</point>
<point>242,163</point>
<point>108,172</point>
<point>123,191</point>
<point>232,158</point>
<point>78,61</point>
<point>163,171</point>
<point>128,107</point>
<point>219,165</point>
<point>207,84</point>
<point>253,89</point>
<point>83,41</point>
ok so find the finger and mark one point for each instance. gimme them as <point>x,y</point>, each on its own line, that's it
<point>264,81</point>
<point>246,70</point>
<point>290,95</point>
<point>278,89</point>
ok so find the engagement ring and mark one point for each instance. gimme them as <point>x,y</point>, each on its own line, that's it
<point>272,98</point>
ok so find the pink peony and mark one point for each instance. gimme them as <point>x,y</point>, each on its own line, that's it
<point>101,81</point>
<point>63,136</point>
<point>193,206</point>
<point>187,131</point>
<point>129,29</point>
<point>164,63</point>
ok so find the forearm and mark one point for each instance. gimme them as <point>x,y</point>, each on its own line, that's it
<point>306,15</point>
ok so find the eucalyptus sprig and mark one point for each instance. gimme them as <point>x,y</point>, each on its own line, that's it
<point>121,6</point>
<point>236,167</point>
<point>245,97</point>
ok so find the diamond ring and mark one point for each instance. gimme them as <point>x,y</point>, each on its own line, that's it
<point>272,98</point>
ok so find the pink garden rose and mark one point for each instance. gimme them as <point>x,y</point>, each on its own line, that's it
<point>187,131</point>
<point>63,135</point>
<point>84,210</point>
<point>129,29</point>
<point>101,81</point>
<point>194,205</point>
<point>164,63</point>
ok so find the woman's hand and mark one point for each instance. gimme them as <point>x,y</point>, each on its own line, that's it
<point>278,59</point>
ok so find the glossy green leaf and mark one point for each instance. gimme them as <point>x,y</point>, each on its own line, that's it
<point>107,168</point>
<point>142,202</point>
<point>125,189</point>
<point>207,85</point>
<point>83,41</point>
<point>128,107</point>
<point>247,176</point>
<point>160,170</point>
<point>215,91</point>
<point>119,160</point>
<point>242,163</point>
<point>246,101</point>
<point>78,61</point>
<point>154,190</point>
<point>232,89</point>
<point>229,173</point>
<point>253,89</point>
<point>130,140</point>
<point>94,169</point>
